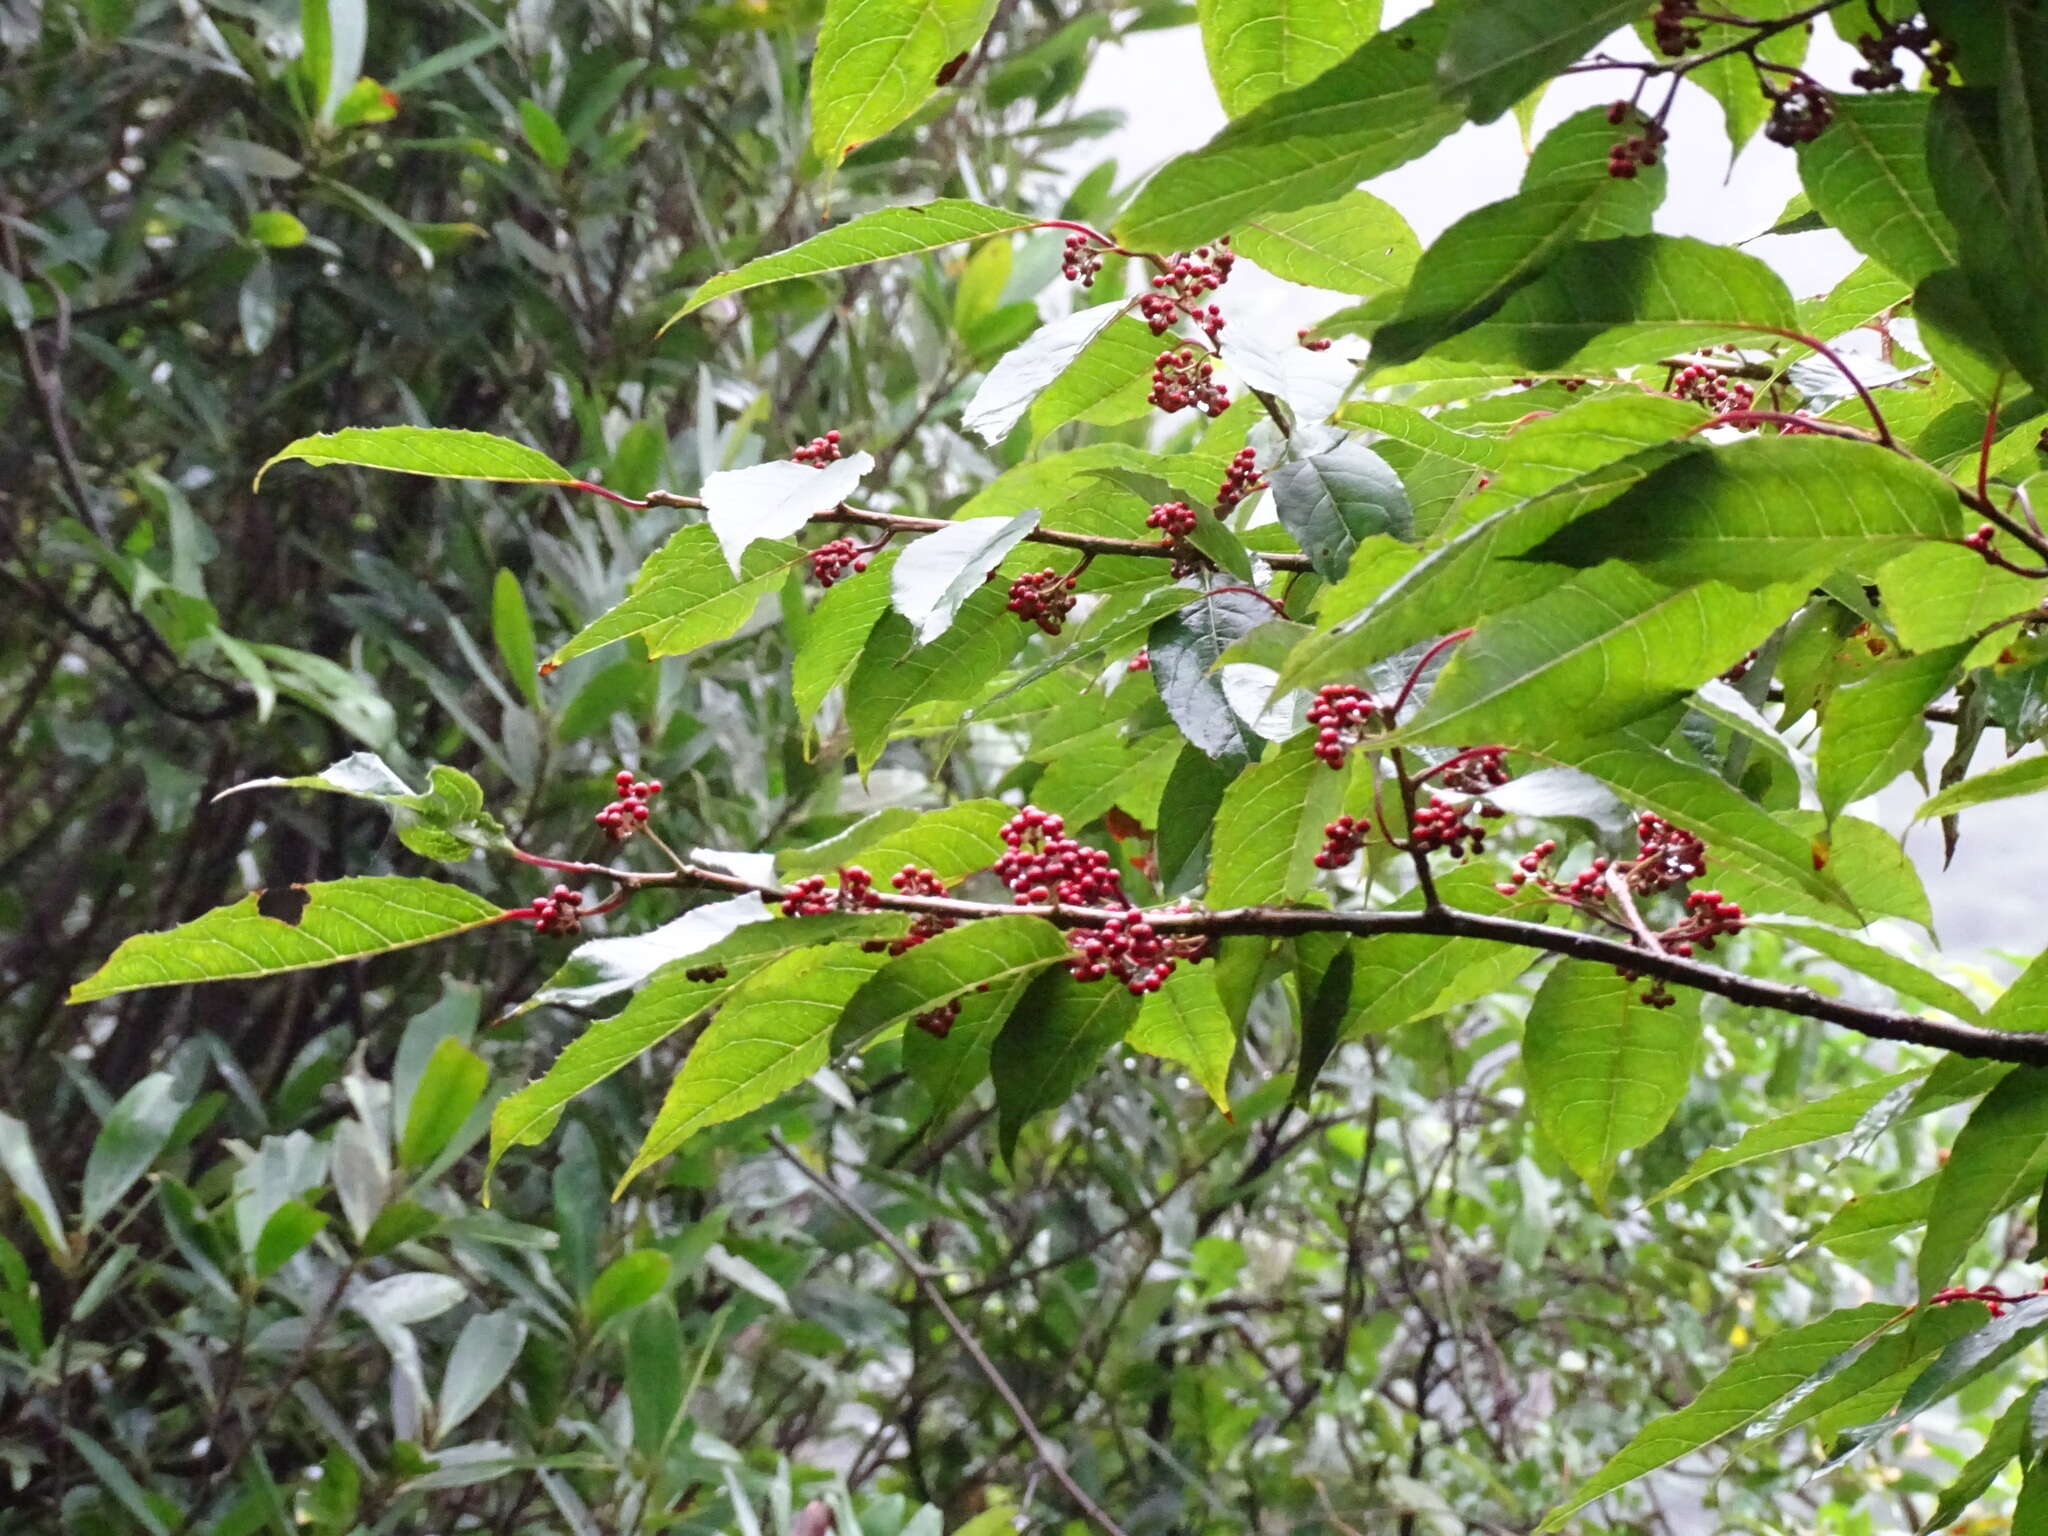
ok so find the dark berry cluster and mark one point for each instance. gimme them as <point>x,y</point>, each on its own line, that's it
<point>1180,289</point>
<point>819,451</point>
<point>1126,947</point>
<point>1675,28</point>
<point>811,897</point>
<point>1881,70</point>
<point>1708,386</point>
<point>622,818</point>
<point>1442,824</point>
<point>1740,670</point>
<point>937,1022</point>
<point>1239,481</point>
<point>1708,916</point>
<point>831,561</point>
<point>1340,715</point>
<point>1081,260</point>
<point>1669,855</point>
<point>1043,864</point>
<point>1310,340</point>
<point>1142,662</point>
<point>1800,113</point>
<point>1175,519</point>
<point>1476,770</point>
<point>1342,839</point>
<point>1526,866</point>
<point>1044,598</point>
<point>558,912</point>
<point>1636,153</point>
<point>1185,377</point>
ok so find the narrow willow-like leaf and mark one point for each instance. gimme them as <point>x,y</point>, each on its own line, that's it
<point>871,237</point>
<point>877,62</point>
<point>1356,245</point>
<point>1880,965</point>
<point>2022,776</point>
<point>1259,48</point>
<point>1867,176</point>
<point>337,920</point>
<point>441,452</point>
<point>1738,1395</point>
<point>1050,1044</point>
<point>685,596</point>
<point>1272,818</point>
<point>1185,1022</point>
<point>1997,1160</point>
<point>1836,1115</point>
<point>984,952</point>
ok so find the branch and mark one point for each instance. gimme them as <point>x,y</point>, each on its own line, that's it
<point>1049,1455</point>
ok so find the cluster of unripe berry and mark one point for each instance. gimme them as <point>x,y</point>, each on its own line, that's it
<point>1175,519</point>
<point>1675,28</point>
<point>1304,337</point>
<point>1042,864</point>
<point>1185,377</point>
<point>832,560</point>
<point>819,451</point>
<point>1142,662</point>
<point>1081,260</point>
<point>1342,839</point>
<point>1180,289</point>
<point>623,817</point>
<point>1881,71</point>
<point>912,880</point>
<point>1044,598</point>
<point>1800,113</point>
<point>1639,151</point>
<point>1708,386</point>
<point>558,912</point>
<point>1981,540</point>
<point>1340,715</point>
<point>1668,855</point>
<point>1442,824</point>
<point>1239,481</point>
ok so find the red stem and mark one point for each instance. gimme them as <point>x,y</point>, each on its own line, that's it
<point>1452,761</point>
<point>1984,451</point>
<point>1415,676</point>
<point>598,490</point>
<point>1786,419</point>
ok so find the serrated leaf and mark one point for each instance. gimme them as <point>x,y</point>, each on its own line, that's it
<point>895,674</point>
<point>1357,245</point>
<point>451,810</point>
<point>871,237</point>
<point>1334,500</point>
<point>1836,1115</point>
<point>1496,53</point>
<point>955,841</point>
<point>987,951</point>
<point>1007,391</point>
<point>1872,730</point>
<point>1867,176</point>
<point>834,640</point>
<point>1185,1022</point>
<point>877,62</point>
<point>1049,1045</point>
<point>1605,1069</point>
<point>341,920</point>
<point>775,500</point>
<point>1998,216</point>
<point>1260,48</point>
<point>939,572</point>
<point>1377,109</point>
<point>1275,812</point>
<point>949,1067</point>
<point>2022,776</point>
<point>685,596</point>
<point>1741,1393</point>
<point>1997,1160</point>
<point>771,1033</point>
<point>1106,383</point>
<point>1880,965</point>
<point>441,452</point>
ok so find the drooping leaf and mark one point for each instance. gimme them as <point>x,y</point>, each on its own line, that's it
<point>871,237</point>
<point>1049,1045</point>
<point>1259,48</point>
<point>985,952</point>
<point>1334,499</point>
<point>895,674</point>
<point>331,920</point>
<point>685,596</point>
<point>446,822</point>
<point>939,572</point>
<point>1357,245</point>
<point>1274,813</point>
<point>442,452</point>
<point>1107,383</point>
<point>451,1086</point>
<point>1880,965</point>
<point>1496,53</point>
<point>136,1129</point>
<point>1939,594</point>
<point>1867,176</point>
<point>1997,1159</point>
<point>1836,1115</point>
<point>1184,647</point>
<point>2022,776</point>
<point>775,500</point>
<point>878,60</point>
<point>949,1067</point>
<point>835,639</point>
<point>1025,372</point>
<point>1185,1022</point>
<point>1999,219</point>
<point>1872,731</point>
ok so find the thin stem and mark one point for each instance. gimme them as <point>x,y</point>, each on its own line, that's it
<point>1884,431</point>
<point>1814,424</point>
<point>1452,761</point>
<point>1425,880</point>
<point>1265,597</point>
<point>1990,435</point>
<point>1415,675</point>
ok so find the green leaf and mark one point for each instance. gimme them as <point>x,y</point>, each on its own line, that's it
<point>2005,1441</point>
<point>1024,373</point>
<point>955,841</point>
<point>686,597</point>
<point>1605,1070</point>
<point>877,62</point>
<point>1836,1115</point>
<point>1356,244</point>
<point>1997,1160</point>
<point>1613,303</point>
<point>1407,425</point>
<point>949,1067</point>
<point>484,1354</point>
<point>340,920</point>
<point>1599,651</point>
<point>1738,1395</point>
<point>1334,500</point>
<point>24,1172</point>
<point>934,576</point>
<point>1764,511</point>
<point>136,1129</point>
<point>447,822</point>
<point>1185,646</point>
<point>1872,730</point>
<point>1260,48</point>
<point>2024,1004</point>
<point>895,674</point>
<point>1497,53</point>
<point>1275,812</point>
<point>1107,383</point>
<point>775,500</point>
<point>835,639</point>
<point>1185,1022</point>
<point>512,633</point>
<point>988,951</point>
<point>452,1085</point>
<point>773,1031</point>
<point>629,1281</point>
<point>1867,176</point>
<point>543,134</point>
<point>1998,217</point>
<point>2022,776</point>
<point>276,228</point>
<point>1377,109</point>
<point>441,452</point>
<point>1880,965</point>
<point>289,1229</point>
<point>872,237</point>
<point>1050,1044</point>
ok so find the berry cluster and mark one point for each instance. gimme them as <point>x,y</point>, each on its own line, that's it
<point>1044,598</point>
<point>1314,343</point>
<point>1043,864</point>
<point>810,897</point>
<point>937,1022</point>
<point>1179,290</point>
<point>911,880</point>
<point>1881,71</point>
<point>1142,662</point>
<point>1800,113</point>
<point>557,912</point>
<point>1675,28</point>
<point>1990,1295</point>
<point>1175,519</point>
<point>819,451</point>
<point>1526,866</point>
<point>1669,855</point>
<point>831,561</point>
<point>1081,260</point>
<point>1476,770</point>
<point>1638,152</point>
<point>1342,839</point>
<point>1187,377</point>
<point>1707,917</point>
<point>1239,481</point>
<point>1340,715</point>
<point>1442,824</point>
<point>622,818</point>
<point>1126,947</point>
<point>1710,387</point>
